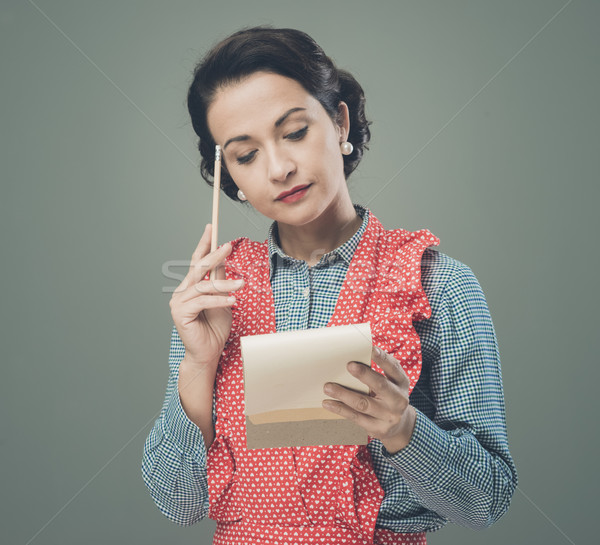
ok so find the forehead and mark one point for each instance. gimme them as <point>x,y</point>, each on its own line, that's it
<point>256,102</point>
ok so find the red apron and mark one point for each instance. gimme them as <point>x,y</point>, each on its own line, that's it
<point>326,494</point>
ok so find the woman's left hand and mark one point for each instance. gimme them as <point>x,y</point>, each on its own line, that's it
<point>385,413</point>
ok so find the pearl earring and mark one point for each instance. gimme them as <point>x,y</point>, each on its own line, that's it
<point>241,196</point>
<point>347,148</point>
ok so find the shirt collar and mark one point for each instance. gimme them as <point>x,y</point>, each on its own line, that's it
<point>344,252</point>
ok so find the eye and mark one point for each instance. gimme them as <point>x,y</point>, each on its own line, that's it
<point>244,159</point>
<point>298,135</point>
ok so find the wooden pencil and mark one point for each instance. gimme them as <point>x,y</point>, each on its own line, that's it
<point>215,209</point>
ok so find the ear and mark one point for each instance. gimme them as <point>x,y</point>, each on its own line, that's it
<point>343,121</point>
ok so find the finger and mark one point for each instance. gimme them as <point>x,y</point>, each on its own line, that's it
<point>376,382</point>
<point>378,428</point>
<point>211,261</point>
<point>203,247</point>
<point>377,416</point>
<point>219,272</point>
<point>389,365</point>
<point>194,307</point>
<point>360,419</point>
<point>356,401</point>
<point>201,250</point>
<point>207,287</point>
<point>218,286</point>
<point>201,268</point>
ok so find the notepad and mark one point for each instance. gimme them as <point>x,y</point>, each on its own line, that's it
<point>284,374</point>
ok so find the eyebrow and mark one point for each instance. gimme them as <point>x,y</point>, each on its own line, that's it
<point>278,123</point>
<point>287,114</point>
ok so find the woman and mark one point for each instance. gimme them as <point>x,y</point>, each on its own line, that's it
<point>292,128</point>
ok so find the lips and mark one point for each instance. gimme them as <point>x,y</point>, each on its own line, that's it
<point>292,191</point>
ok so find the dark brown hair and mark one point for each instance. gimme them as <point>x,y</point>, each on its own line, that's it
<point>284,51</point>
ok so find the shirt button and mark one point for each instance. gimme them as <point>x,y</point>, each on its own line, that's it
<point>306,292</point>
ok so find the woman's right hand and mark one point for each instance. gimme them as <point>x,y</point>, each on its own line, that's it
<point>201,309</point>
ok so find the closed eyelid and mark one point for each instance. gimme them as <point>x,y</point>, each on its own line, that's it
<point>246,158</point>
<point>298,133</point>
<point>285,132</point>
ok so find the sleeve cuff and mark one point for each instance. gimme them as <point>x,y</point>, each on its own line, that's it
<point>180,429</point>
<point>426,452</point>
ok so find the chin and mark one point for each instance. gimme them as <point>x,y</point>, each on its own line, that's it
<point>303,217</point>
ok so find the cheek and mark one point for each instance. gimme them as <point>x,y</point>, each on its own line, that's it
<point>334,157</point>
<point>325,151</point>
<point>248,178</point>
<point>240,174</point>
<point>331,144</point>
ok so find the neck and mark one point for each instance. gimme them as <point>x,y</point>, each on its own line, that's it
<point>311,241</point>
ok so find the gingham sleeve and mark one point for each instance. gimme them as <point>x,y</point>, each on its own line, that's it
<point>457,464</point>
<point>174,460</point>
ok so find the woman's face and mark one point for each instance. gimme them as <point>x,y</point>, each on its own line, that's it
<point>280,147</point>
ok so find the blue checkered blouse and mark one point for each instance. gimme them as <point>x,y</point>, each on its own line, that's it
<point>457,466</point>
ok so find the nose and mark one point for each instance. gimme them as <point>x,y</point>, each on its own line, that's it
<point>280,165</point>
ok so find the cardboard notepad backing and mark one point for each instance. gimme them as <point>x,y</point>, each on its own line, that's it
<point>284,374</point>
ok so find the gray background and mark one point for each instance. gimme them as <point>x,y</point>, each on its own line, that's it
<point>485,130</point>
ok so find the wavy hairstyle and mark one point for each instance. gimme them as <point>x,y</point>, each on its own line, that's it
<point>284,51</point>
